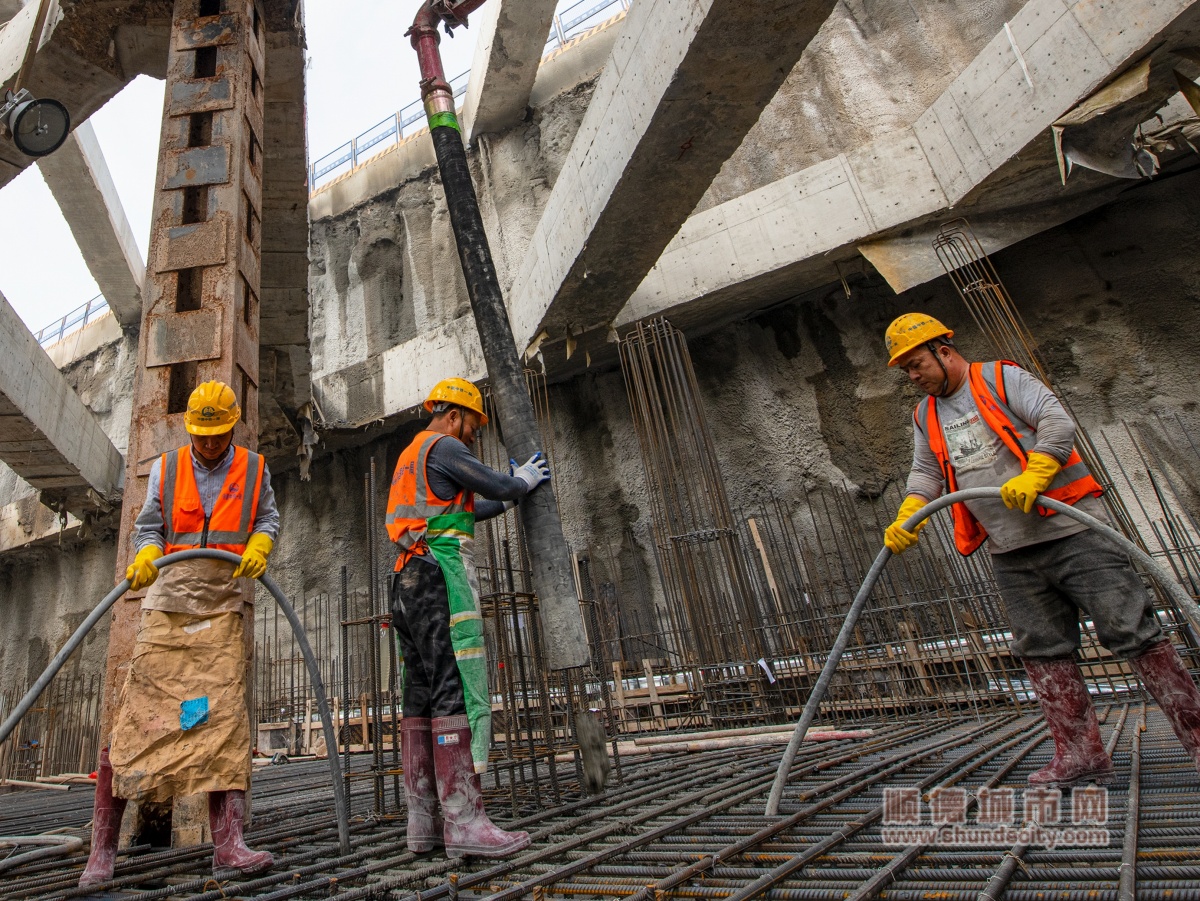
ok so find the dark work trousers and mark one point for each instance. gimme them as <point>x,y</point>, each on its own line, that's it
<point>421,618</point>
<point>1046,586</point>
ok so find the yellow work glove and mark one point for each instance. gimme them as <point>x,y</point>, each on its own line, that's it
<point>254,558</point>
<point>896,538</point>
<point>1021,491</point>
<point>142,572</point>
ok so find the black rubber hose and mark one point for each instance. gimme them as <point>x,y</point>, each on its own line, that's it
<point>553,576</point>
<point>1178,595</point>
<point>310,660</point>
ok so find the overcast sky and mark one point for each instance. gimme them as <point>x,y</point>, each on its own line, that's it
<point>361,70</point>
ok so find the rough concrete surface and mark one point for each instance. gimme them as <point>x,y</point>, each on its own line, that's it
<point>797,395</point>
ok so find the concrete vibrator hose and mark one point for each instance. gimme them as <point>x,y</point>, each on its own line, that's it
<point>1173,588</point>
<point>310,660</point>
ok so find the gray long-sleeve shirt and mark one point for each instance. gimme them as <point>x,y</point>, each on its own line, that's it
<point>451,467</point>
<point>981,459</point>
<point>148,528</point>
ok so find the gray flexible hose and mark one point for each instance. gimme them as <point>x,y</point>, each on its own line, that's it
<point>1173,588</point>
<point>310,660</point>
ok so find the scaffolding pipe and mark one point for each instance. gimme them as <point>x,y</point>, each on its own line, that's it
<point>1181,598</point>
<point>310,660</point>
<point>553,577</point>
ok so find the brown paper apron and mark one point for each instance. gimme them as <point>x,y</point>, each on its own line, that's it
<point>182,727</point>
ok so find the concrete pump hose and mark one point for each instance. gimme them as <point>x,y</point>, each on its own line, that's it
<point>310,660</point>
<point>1181,598</point>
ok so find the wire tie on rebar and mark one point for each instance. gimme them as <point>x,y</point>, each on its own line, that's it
<point>453,882</point>
<point>333,886</point>
<point>219,886</point>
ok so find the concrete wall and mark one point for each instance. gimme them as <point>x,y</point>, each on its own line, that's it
<point>797,395</point>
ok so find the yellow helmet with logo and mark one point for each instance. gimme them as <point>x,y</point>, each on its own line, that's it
<point>459,392</point>
<point>909,331</point>
<point>212,410</point>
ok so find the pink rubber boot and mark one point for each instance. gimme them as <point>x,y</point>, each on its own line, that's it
<point>1165,677</point>
<point>425,826</point>
<point>226,816</point>
<point>1079,753</point>
<point>106,828</point>
<point>468,829</point>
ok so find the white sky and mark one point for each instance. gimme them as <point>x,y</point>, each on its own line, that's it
<point>361,70</point>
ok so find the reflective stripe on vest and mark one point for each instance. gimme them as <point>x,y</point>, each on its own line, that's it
<point>411,503</point>
<point>1073,482</point>
<point>229,525</point>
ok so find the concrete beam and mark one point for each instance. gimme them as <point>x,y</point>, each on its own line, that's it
<point>79,179</point>
<point>686,81</point>
<point>285,364</point>
<point>47,436</point>
<point>785,238</point>
<point>14,37</point>
<point>9,8</point>
<point>983,145</point>
<point>27,523</point>
<point>511,40</point>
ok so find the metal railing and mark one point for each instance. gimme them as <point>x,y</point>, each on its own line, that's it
<point>569,22</point>
<point>73,321</point>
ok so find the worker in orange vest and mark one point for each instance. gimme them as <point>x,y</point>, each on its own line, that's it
<point>182,727</point>
<point>431,516</point>
<point>995,425</point>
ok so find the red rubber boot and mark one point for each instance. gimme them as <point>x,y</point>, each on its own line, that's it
<point>1079,753</point>
<point>106,828</point>
<point>467,827</point>
<point>226,816</point>
<point>1165,677</point>
<point>425,826</point>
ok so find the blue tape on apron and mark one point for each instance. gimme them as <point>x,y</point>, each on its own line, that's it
<point>193,713</point>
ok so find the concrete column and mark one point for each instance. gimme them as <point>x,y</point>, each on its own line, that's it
<point>47,436</point>
<point>201,315</point>
<point>81,184</point>
<point>686,81</point>
<point>512,36</point>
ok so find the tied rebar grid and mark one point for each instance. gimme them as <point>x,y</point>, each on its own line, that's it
<point>690,826</point>
<point>710,602</point>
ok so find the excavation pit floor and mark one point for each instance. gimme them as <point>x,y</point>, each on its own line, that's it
<point>857,821</point>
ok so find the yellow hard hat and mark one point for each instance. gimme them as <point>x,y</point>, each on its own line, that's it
<point>912,330</point>
<point>212,410</point>
<point>459,392</point>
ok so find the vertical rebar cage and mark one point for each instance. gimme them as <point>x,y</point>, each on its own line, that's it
<point>709,593</point>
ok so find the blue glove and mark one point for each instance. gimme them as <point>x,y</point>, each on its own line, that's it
<point>532,472</point>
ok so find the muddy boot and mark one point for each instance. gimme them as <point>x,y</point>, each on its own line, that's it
<point>425,825</point>
<point>1079,754</point>
<point>1164,675</point>
<point>467,827</point>
<point>106,828</point>
<point>226,815</point>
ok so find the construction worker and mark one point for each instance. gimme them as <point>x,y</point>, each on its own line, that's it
<point>996,425</point>
<point>182,726</point>
<point>439,630</point>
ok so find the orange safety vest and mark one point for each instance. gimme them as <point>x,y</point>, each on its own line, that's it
<point>1073,482</point>
<point>411,503</point>
<point>231,522</point>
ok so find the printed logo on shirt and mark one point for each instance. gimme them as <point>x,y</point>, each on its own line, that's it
<point>969,441</point>
<point>232,492</point>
